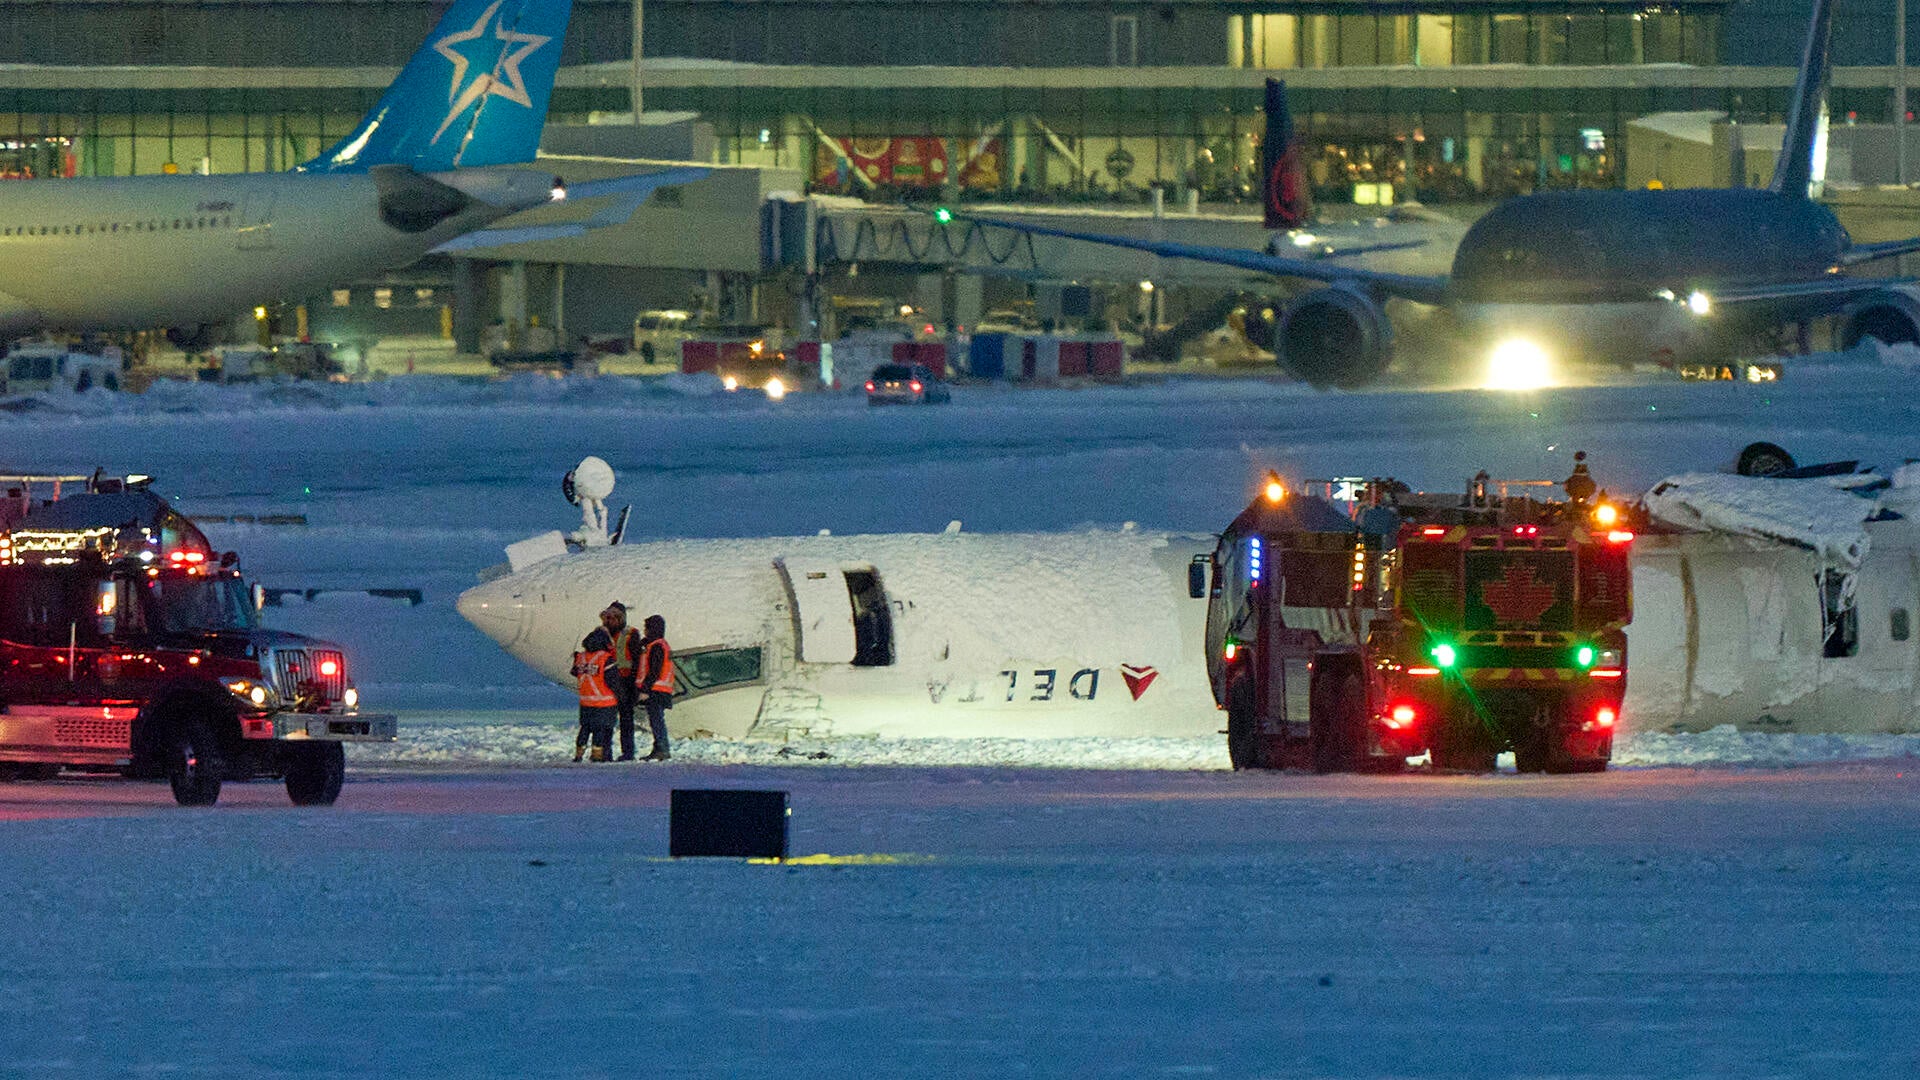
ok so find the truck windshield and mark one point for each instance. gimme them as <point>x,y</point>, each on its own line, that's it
<point>196,603</point>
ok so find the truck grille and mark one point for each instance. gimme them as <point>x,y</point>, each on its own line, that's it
<point>296,672</point>
<point>91,731</point>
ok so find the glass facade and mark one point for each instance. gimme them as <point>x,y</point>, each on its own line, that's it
<point>1287,40</point>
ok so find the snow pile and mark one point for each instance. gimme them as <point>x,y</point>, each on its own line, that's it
<point>1814,514</point>
<point>543,738</point>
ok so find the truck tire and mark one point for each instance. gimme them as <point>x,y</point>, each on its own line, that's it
<point>315,773</point>
<point>1241,740</point>
<point>1531,753</point>
<point>1337,725</point>
<point>1463,744</point>
<point>194,767</point>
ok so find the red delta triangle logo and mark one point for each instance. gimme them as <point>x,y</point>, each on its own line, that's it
<point>1518,596</point>
<point>1138,678</point>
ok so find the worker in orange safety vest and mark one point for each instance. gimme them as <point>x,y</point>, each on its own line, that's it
<point>598,705</point>
<point>656,683</point>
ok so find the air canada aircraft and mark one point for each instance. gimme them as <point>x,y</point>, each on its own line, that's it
<point>1774,604</point>
<point>1605,276</point>
<point>427,168</point>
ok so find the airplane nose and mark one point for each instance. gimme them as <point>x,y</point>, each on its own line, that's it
<point>493,613</point>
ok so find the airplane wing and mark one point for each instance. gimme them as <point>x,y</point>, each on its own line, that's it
<point>1861,253</point>
<point>1424,290</point>
<point>1837,289</point>
<point>628,193</point>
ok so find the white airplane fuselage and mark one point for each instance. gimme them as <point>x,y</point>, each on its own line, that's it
<point>988,636</point>
<point>135,253</point>
<point>1094,634</point>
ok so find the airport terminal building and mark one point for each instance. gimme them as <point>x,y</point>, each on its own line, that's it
<point>1093,102</point>
<point>1046,99</point>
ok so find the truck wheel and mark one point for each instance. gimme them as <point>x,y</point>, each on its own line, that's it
<point>194,766</point>
<point>1531,753</point>
<point>1463,746</point>
<point>1240,727</point>
<point>1337,726</point>
<point>315,772</point>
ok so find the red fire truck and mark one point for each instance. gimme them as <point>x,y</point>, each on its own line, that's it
<point>1359,623</point>
<point>129,646</point>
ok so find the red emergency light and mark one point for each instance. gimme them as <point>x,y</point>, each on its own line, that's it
<point>329,668</point>
<point>1423,671</point>
<point>1434,530</point>
<point>190,558</point>
<point>1619,536</point>
<point>1526,530</point>
<point>914,386</point>
<point>1402,716</point>
<point>1604,717</point>
<point>869,386</point>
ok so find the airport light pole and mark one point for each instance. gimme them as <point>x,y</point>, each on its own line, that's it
<point>638,26</point>
<point>1899,91</point>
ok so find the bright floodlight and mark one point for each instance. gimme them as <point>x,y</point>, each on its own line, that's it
<point>1699,303</point>
<point>731,382</point>
<point>776,389</point>
<point>1519,364</point>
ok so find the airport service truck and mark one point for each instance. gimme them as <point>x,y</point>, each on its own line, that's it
<point>129,647</point>
<point>1355,624</point>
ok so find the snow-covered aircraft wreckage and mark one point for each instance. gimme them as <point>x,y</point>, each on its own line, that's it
<point>1772,604</point>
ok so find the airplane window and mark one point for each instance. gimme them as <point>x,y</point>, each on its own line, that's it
<point>698,670</point>
<point>1899,629</point>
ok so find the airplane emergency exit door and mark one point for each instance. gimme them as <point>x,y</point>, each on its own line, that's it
<point>841,615</point>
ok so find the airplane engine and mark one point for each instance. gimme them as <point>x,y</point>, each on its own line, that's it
<point>1334,337</point>
<point>1892,315</point>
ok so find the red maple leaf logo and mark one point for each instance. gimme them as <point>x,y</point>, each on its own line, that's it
<point>1518,597</point>
<point>1138,678</point>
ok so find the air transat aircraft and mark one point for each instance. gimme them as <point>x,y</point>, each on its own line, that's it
<point>428,166</point>
<point>1606,276</point>
<point>1771,604</point>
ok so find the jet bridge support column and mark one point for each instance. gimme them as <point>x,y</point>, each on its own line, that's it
<point>469,300</point>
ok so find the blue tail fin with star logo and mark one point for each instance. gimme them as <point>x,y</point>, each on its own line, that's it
<point>475,94</point>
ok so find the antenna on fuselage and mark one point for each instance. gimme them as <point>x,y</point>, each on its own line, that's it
<point>1803,149</point>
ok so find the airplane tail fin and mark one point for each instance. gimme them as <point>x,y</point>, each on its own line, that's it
<point>475,94</point>
<point>1283,181</point>
<point>1804,146</point>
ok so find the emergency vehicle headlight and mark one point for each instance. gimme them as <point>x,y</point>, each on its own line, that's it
<point>253,693</point>
<point>351,699</point>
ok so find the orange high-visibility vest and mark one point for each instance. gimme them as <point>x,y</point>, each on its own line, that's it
<point>593,677</point>
<point>663,683</point>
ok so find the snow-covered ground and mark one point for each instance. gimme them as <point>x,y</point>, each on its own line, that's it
<point>420,482</point>
<point>1132,909</point>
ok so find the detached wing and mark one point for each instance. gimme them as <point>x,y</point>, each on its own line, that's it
<point>1424,290</point>
<point>627,193</point>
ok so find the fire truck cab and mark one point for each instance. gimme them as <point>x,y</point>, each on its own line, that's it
<point>127,645</point>
<point>1360,624</point>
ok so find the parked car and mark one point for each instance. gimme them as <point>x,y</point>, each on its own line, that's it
<point>43,367</point>
<point>906,384</point>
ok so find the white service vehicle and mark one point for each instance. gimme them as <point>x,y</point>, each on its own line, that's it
<point>50,367</point>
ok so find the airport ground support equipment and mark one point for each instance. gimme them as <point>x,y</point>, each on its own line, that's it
<point>129,647</point>
<point>1355,624</point>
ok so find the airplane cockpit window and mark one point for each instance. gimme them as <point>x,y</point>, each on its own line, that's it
<point>699,671</point>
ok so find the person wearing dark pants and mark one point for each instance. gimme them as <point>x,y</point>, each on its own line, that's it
<point>623,641</point>
<point>656,683</point>
<point>590,666</point>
